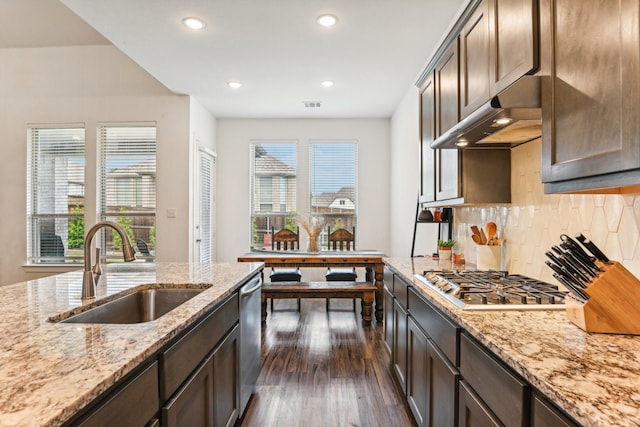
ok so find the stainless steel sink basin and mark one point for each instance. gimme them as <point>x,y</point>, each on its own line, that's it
<point>141,306</point>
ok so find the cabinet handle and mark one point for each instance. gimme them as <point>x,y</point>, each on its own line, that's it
<point>244,292</point>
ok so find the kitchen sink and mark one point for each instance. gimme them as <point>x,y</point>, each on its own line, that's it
<point>141,306</point>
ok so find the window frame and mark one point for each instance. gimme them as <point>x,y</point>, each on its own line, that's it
<point>260,236</point>
<point>145,204</point>
<point>334,220</point>
<point>60,236</point>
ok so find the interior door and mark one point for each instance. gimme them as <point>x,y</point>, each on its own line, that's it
<point>205,197</point>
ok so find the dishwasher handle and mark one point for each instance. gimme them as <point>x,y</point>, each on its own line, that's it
<point>244,291</point>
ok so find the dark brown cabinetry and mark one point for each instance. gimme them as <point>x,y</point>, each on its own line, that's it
<point>210,396</point>
<point>449,176</point>
<point>451,379</point>
<point>506,395</point>
<point>399,351</point>
<point>473,411</point>
<point>133,403</point>
<point>591,131</point>
<point>417,373</point>
<point>544,414</point>
<point>475,61</point>
<point>226,380</point>
<point>428,135</point>
<point>388,316</point>
<point>498,45</point>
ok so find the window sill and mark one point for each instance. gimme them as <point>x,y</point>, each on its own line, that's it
<point>51,268</point>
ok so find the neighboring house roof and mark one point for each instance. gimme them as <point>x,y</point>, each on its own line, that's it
<point>324,200</point>
<point>148,167</point>
<point>267,165</point>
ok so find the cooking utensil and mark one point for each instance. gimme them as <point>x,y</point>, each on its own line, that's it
<point>483,237</point>
<point>476,232</point>
<point>576,291</point>
<point>592,248</point>
<point>492,228</point>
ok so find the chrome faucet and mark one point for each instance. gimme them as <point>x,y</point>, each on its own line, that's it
<point>93,274</point>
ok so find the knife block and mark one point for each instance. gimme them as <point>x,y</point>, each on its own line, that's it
<point>613,306</point>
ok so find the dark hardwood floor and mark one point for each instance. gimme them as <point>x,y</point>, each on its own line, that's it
<point>324,369</point>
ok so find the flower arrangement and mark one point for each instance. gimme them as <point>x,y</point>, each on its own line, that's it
<point>313,227</point>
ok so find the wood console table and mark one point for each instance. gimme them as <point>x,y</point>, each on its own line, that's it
<point>371,260</point>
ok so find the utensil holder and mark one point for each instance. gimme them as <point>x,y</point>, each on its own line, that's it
<point>613,306</point>
<point>490,257</point>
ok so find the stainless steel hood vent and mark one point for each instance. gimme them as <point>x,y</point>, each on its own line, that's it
<point>510,118</point>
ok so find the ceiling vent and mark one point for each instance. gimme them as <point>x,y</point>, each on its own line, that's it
<point>312,104</point>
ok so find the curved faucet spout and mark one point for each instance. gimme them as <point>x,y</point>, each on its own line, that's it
<point>88,280</point>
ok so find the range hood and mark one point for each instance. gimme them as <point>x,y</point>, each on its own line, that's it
<point>510,118</point>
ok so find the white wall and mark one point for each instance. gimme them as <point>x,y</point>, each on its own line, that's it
<point>233,139</point>
<point>405,180</point>
<point>87,84</point>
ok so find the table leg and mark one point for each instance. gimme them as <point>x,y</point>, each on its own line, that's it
<point>379,270</point>
<point>367,307</point>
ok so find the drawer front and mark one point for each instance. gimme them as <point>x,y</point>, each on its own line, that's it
<point>134,404</point>
<point>177,362</point>
<point>439,328</point>
<point>401,289</point>
<point>504,393</point>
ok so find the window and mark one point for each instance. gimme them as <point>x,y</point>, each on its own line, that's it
<point>55,202</point>
<point>333,171</point>
<point>273,183</point>
<point>128,187</point>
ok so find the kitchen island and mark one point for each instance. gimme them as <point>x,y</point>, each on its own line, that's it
<point>594,378</point>
<point>50,371</point>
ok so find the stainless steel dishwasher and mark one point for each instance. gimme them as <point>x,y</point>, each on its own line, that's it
<point>250,340</point>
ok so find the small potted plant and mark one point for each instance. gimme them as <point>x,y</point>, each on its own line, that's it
<point>444,248</point>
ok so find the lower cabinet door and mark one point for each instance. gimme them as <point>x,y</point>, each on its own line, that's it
<point>388,318</point>
<point>192,405</point>
<point>211,395</point>
<point>226,378</point>
<point>417,373</point>
<point>472,410</point>
<point>399,353</point>
<point>443,389</point>
<point>543,414</point>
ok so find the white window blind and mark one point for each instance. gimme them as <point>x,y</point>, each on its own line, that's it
<point>55,199</point>
<point>273,180</point>
<point>333,172</point>
<point>128,187</point>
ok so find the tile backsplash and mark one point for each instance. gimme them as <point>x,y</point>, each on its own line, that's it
<point>534,221</point>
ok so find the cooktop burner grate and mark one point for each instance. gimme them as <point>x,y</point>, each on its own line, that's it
<point>493,290</point>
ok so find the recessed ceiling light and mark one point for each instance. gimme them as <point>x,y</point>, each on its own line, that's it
<point>462,142</point>
<point>327,83</point>
<point>327,20</point>
<point>194,23</point>
<point>234,84</point>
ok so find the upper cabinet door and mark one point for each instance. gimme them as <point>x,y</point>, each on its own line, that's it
<point>590,102</point>
<point>447,90</point>
<point>514,43</point>
<point>475,72</point>
<point>428,133</point>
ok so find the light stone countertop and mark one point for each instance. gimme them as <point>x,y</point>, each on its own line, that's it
<point>50,370</point>
<point>595,378</point>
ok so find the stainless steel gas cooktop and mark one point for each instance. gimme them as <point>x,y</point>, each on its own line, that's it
<point>493,290</point>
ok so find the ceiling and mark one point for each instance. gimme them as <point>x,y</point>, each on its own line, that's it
<point>273,47</point>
